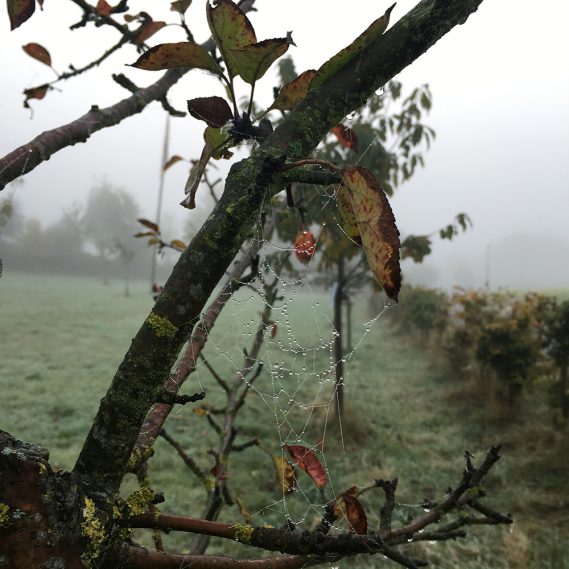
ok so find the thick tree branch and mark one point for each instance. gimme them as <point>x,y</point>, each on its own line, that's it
<point>154,349</point>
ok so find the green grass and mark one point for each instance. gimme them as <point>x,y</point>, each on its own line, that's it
<point>62,339</point>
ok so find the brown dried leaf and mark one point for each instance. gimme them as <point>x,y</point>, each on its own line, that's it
<point>285,474</point>
<point>38,52</point>
<point>215,111</point>
<point>149,224</point>
<point>35,93</point>
<point>292,93</point>
<point>144,234</point>
<point>19,11</point>
<point>180,245</point>
<point>104,8</point>
<point>181,54</point>
<point>180,6</point>
<point>376,224</point>
<point>148,29</point>
<point>347,215</point>
<point>346,136</point>
<point>171,161</point>
<point>307,461</point>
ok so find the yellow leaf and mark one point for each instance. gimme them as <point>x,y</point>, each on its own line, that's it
<point>285,474</point>
<point>171,55</point>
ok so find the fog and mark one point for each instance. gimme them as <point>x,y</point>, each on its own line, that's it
<point>500,87</point>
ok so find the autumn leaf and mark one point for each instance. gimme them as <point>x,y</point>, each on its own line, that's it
<point>180,6</point>
<point>292,93</point>
<point>307,461</point>
<point>35,93</point>
<point>153,241</point>
<point>19,11</point>
<point>203,410</point>
<point>347,505</point>
<point>219,141</point>
<point>144,234</point>
<point>252,61</point>
<point>231,29</point>
<point>347,215</point>
<point>285,474</point>
<point>38,52</point>
<point>149,224</point>
<point>215,111</point>
<point>181,54</point>
<point>346,136</point>
<point>149,28</point>
<point>342,58</point>
<point>171,161</point>
<point>177,244</point>
<point>104,8</point>
<point>377,228</point>
<point>304,246</point>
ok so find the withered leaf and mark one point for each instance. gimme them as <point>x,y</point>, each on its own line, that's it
<point>292,93</point>
<point>19,11</point>
<point>177,244</point>
<point>307,461</point>
<point>149,28</point>
<point>180,6</point>
<point>171,55</point>
<point>347,215</point>
<point>35,93</point>
<point>215,111</point>
<point>104,8</point>
<point>285,474</point>
<point>346,136</point>
<point>38,52</point>
<point>377,228</point>
<point>149,224</point>
<point>171,161</point>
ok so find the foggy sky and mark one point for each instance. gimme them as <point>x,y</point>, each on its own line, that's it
<point>500,86</point>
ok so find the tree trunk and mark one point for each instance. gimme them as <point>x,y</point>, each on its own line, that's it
<point>338,337</point>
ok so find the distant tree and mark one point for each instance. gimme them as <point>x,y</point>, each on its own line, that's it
<point>110,222</point>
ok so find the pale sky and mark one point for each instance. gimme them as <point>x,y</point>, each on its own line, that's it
<point>500,86</point>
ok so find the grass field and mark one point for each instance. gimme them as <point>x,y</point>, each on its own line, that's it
<point>62,339</point>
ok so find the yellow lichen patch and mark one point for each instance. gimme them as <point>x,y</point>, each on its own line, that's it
<point>93,530</point>
<point>209,482</point>
<point>244,533</point>
<point>162,326</point>
<point>42,469</point>
<point>4,515</point>
<point>139,500</point>
<point>138,456</point>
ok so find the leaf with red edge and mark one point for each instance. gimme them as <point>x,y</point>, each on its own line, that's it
<point>215,111</point>
<point>104,8</point>
<point>376,224</point>
<point>230,29</point>
<point>149,224</point>
<point>180,6</point>
<point>148,29</point>
<point>285,474</point>
<point>38,52</point>
<point>171,161</point>
<point>252,61</point>
<point>346,136</point>
<point>307,461</point>
<point>172,55</point>
<point>19,11</point>
<point>292,93</point>
<point>35,93</point>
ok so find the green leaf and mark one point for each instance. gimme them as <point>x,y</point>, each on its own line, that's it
<point>182,54</point>
<point>376,224</point>
<point>231,29</point>
<point>342,58</point>
<point>252,61</point>
<point>219,141</point>
<point>19,11</point>
<point>292,93</point>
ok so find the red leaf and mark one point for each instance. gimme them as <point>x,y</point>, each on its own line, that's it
<point>215,111</point>
<point>307,461</point>
<point>35,93</point>
<point>355,513</point>
<point>38,52</point>
<point>104,8</point>
<point>346,136</point>
<point>304,246</point>
<point>19,11</point>
<point>149,224</point>
<point>149,28</point>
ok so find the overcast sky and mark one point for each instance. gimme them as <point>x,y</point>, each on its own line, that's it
<point>500,86</point>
